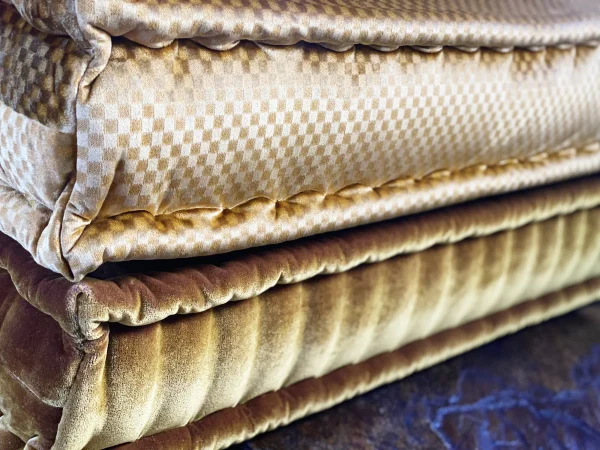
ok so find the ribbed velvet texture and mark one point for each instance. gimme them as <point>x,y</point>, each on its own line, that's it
<point>311,328</point>
<point>275,409</point>
<point>100,380</point>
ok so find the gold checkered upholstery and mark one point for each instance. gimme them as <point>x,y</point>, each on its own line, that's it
<point>111,150</point>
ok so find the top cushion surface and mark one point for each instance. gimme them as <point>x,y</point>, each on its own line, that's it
<point>222,23</point>
<point>112,151</point>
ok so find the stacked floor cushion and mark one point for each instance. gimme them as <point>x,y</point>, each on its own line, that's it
<point>220,216</point>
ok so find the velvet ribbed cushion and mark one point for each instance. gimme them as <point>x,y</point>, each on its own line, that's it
<point>142,348</point>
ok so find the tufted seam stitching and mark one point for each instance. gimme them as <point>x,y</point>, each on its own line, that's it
<point>437,175</point>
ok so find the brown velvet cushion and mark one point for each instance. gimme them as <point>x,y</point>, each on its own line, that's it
<point>152,351</point>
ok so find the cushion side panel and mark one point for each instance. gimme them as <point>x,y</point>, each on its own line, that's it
<point>39,77</point>
<point>183,127</point>
<point>249,138</point>
<point>37,367</point>
<point>39,73</point>
<point>140,235</point>
<point>278,408</point>
<point>187,367</point>
<point>35,160</point>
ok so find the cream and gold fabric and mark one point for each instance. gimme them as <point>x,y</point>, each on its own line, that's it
<point>219,216</point>
<point>137,130</point>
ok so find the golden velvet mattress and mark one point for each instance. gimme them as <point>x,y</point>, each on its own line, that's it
<point>232,346</point>
<point>217,217</point>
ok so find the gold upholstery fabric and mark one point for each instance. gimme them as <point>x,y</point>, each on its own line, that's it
<point>183,151</point>
<point>278,408</point>
<point>254,151</point>
<point>39,73</point>
<point>140,293</point>
<point>222,23</point>
<point>133,354</point>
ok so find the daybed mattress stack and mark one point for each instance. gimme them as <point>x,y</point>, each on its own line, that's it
<point>220,216</point>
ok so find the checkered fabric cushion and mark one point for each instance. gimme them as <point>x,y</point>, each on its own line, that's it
<point>111,150</point>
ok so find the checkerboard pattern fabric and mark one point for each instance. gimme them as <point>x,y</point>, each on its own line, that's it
<point>338,23</point>
<point>34,160</point>
<point>185,127</point>
<point>136,152</point>
<point>39,77</point>
<point>39,73</point>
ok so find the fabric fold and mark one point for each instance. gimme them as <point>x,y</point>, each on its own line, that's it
<point>140,293</point>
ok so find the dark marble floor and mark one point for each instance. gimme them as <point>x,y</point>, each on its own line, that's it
<point>537,389</point>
